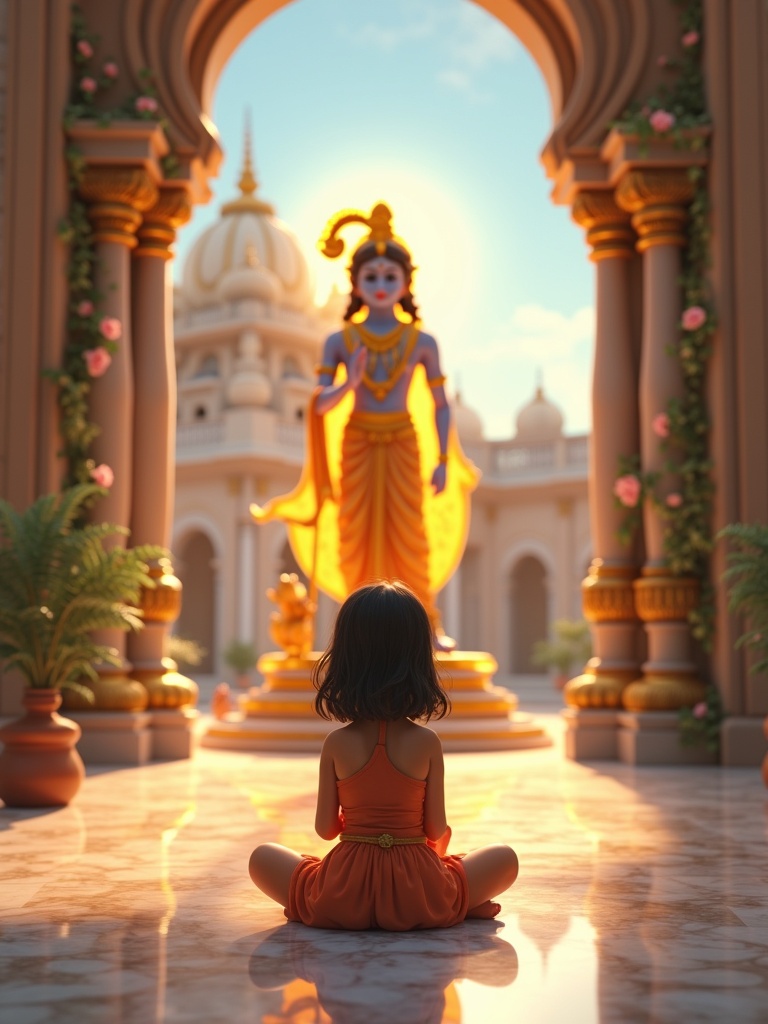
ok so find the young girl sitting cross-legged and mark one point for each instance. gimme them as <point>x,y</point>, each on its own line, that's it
<point>381,787</point>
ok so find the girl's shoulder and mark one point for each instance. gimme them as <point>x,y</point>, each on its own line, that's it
<point>419,737</point>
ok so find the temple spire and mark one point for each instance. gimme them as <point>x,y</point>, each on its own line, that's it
<point>248,183</point>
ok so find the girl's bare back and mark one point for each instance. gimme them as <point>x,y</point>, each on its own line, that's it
<point>410,747</point>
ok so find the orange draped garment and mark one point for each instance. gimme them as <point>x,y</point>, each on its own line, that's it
<point>364,507</point>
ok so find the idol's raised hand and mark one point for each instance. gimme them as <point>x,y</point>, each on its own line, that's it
<point>356,368</point>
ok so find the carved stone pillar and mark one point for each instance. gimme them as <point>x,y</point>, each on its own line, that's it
<point>607,598</point>
<point>657,200</point>
<point>116,197</point>
<point>154,433</point>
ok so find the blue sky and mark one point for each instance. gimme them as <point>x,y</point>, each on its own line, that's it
<point>436,108</point>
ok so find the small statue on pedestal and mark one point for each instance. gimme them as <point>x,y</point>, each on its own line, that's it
<point>292,625</point>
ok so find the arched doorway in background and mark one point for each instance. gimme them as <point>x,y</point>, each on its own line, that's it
<point>528,584</point>
<point>196,570</point>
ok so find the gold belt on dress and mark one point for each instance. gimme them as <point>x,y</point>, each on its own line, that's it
<point>385,840</point>
<point>381,427</point>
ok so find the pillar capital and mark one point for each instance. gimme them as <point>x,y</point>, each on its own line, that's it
<point>116,197</point>
<point>658,199</point>
<point>157,232</point>
<point>608,225</point>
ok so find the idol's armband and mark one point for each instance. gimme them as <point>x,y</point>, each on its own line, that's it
<point>435,382</point>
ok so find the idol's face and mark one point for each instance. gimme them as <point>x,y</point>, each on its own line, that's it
<point>380,283</point>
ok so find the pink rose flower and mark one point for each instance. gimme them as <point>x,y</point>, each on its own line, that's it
<point>627,489</point>
<point>699,710</point>
<point>146,105</point>
<point>674,500</point>
<point>662,60</point>
<point>97,360</point>
<point>110,328</point>
<point>690,38</point>
<point>693,318</point>
<point>110,69</point>
<point>85,308</point>
<point>103,475</point>
<point>661,121</point>
<point>85,49</point>
<point>661,424</point>
<point>88,85</point>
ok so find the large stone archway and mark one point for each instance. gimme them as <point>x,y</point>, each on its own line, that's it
<point>596,56</point>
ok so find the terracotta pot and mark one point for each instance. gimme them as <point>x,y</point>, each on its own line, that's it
<point>39,766</point>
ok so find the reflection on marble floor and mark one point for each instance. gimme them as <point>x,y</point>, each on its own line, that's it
<point>642,897</point>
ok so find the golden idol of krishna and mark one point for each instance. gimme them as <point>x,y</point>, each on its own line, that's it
<point>384,493</point>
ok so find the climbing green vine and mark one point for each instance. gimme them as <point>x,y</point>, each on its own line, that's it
<point>678,110</point>
<point>92,337</point>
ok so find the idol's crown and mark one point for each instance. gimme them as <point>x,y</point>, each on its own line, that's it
<point>379,223</point>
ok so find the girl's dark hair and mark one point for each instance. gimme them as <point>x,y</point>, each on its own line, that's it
<point>380,664</point>
<point>393,252</point>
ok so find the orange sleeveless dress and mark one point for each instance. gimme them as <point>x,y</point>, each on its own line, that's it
<point>361,885</point>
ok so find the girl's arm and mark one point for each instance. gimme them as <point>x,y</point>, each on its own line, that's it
<point>435,824</point>
<point>328,821</point>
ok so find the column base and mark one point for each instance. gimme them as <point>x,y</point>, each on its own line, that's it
<point>598,688</point>
<point>654,738</point>
<point>118,692</point>
<point>591,734</point>
<point>661,690</point>
<point>743,742</point>
<point>114,737</point>
<point>173,733</point>
<point>166,687</point>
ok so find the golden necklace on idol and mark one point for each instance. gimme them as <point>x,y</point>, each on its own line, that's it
<point>391,350</point>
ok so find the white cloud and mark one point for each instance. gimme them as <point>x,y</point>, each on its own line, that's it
<point>474,42</point>
<point>408,21</point>
<point>535,332</point>
<point>463,82</point>
<point>386,38</point>
<point>479,39</point>
<point>501,374</point>
<point>471,39</point>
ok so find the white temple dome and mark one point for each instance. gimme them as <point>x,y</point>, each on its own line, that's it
<point>247,253</point>
<point>468,423</point>
<point>540,421</point>
<point>250,281</point>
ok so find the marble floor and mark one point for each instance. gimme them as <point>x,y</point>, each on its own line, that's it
<point>642,897</point>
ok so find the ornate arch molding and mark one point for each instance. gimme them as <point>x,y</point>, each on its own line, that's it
<point>593,54</point>
<point>531,547</point>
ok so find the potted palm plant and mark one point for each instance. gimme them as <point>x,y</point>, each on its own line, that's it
<point>58,582</point>
<point>747,579</point>
<point>241,656</point>
<point>570,645</point>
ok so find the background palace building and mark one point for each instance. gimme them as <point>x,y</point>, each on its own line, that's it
<point>248,334</point>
